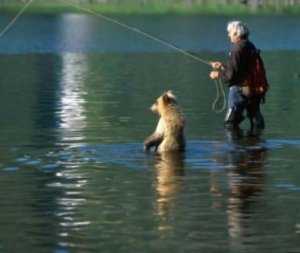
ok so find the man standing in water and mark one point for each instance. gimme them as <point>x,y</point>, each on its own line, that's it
<point>243,94</point>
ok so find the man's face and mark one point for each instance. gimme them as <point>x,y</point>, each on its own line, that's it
<point>233,36</point>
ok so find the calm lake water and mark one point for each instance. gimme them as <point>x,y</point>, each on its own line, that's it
<point>75,93</point>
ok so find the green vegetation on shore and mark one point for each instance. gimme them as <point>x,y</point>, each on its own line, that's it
<point>212,8</point>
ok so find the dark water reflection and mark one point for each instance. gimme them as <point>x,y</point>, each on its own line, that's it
<point>246,185</point>
<point>84,33</point>
<point>73,177</point>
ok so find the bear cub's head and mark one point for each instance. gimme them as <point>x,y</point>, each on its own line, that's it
<point>162,103</point>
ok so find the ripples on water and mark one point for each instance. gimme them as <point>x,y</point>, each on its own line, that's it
<point>74,178</point>
<point>93,194</point>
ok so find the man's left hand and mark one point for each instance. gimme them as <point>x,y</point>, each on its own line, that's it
<point>214,75</point>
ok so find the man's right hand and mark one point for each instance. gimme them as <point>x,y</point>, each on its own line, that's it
<point>216,65</point>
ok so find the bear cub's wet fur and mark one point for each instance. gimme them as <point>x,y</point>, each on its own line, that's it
<point>169,133</point>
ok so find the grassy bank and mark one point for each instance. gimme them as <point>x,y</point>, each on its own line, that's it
<point>155,8</point>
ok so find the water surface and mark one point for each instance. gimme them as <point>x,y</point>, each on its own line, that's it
<point>75,94</point>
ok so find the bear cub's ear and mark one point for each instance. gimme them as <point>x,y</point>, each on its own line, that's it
<point>169,97</point>
<point>171,94</point>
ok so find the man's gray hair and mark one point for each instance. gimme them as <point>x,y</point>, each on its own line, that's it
<point>239,28</point>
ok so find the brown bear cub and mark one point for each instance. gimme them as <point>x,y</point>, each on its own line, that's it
<point>169,133</point>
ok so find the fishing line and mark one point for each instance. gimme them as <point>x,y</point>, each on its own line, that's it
<point>147,35</point>
<point>14,20</point>
<point>219,84</point>
<point>220,94</point>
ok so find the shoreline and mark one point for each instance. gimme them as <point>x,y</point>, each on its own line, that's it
<point>154,9</point>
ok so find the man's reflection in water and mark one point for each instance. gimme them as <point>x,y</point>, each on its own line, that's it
<point>169,169</point>
<point>245,163</point>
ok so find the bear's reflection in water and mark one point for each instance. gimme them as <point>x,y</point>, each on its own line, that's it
<point>240,196</point>
<point>169,172</point>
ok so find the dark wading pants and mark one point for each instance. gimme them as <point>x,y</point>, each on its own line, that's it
<point>237,103</point>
